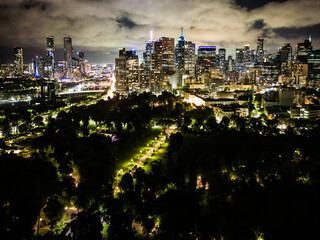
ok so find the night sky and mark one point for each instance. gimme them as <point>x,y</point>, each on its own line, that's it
<point>100,27</point>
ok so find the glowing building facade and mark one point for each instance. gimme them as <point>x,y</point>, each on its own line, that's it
<point>18,61</point>
<point>49,62</point>
<point>68,55</point>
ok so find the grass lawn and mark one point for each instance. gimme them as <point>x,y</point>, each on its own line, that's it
<point>159,154</point>
<point>129,146</point>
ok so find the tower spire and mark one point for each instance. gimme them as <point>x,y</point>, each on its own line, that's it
<point>151,35</point>
<point>182,31</point>
<point>310,38</point>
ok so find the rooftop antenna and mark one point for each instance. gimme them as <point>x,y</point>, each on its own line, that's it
<point>151,33</point>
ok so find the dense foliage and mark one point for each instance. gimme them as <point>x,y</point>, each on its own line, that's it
<point>240,178</point>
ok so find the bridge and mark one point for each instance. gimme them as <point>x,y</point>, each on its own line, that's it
<point>81,92</point>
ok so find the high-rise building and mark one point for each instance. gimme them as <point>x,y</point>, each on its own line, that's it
<point>162,64</point>
<point>239,59</point>
<point>230,64</point>
<point>206,61</point>
<point>49,62</point>
<point>127,71</point>
<point>314,68</point>
<point>222,60</point>
<point>260,52</point>
<point>40,66</point>
<point>68,55</point>
<point>80,63</point>
<point>304,50</point>
<point>285,53</point>
<point>222,54</point>
<point>253,56</point>
<point>184,58</point>
<point>18,60</point>
<point>247,53</point>
<point>148,62</point>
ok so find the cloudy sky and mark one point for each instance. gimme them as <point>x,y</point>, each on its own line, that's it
<point>100,27</point>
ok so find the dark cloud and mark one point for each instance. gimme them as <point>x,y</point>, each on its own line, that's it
<point>126,22</point>
<point>253,4</point>
<point>257,25</point>
<point>34,4</point>
<point>293,32</point>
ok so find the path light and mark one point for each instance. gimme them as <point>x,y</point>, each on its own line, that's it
<point>66,208</point>
<point>140,151</point>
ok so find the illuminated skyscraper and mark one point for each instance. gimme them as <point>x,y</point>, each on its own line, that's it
<point>127,71</point>
<point>50,65</point>
<point>68,55</point>
<point>80,63</point>
<point>206,60</point>
<point>40,65</point>
<point>285,52</point>
<point>222,54</point>
<point>148,61</point>
<point>222,60</point>
<point>304,50</point>
<point>247,53</point>
<point>239,59</point>
<point>184,58</point>
<point>314,69</point>
<point>162,63</point>
<point>260,52</point>
<point>230,64</point>
<point>18,60</point>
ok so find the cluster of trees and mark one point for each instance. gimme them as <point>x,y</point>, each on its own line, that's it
<point>236,179</point>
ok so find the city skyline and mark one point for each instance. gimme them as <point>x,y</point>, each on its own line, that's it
<point>99,28</point>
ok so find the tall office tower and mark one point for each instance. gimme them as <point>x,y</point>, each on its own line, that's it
<point>185,58</point>
<point>260,52</point>
<point>205,62</point>
<point>68,55</point>
<point>239,59</point>
<point>304,50</point>
<point>222,60</point>
<point>247,53</point>
<point>40,66</point>
<point>314,69</point>
<point>253,56</point>
<point>148,62</point>
<point>32,67</point>
<point>162,64</point>
<point>18,60</point>
<point>144,83</point>
<point>285,53</point>
<point>230,64</point>
<point>49,64</point>
<point>222,54</point>
<point>127,71</point>
<point>80,63</point>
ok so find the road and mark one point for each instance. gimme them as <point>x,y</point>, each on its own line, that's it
<point>143,159</point>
